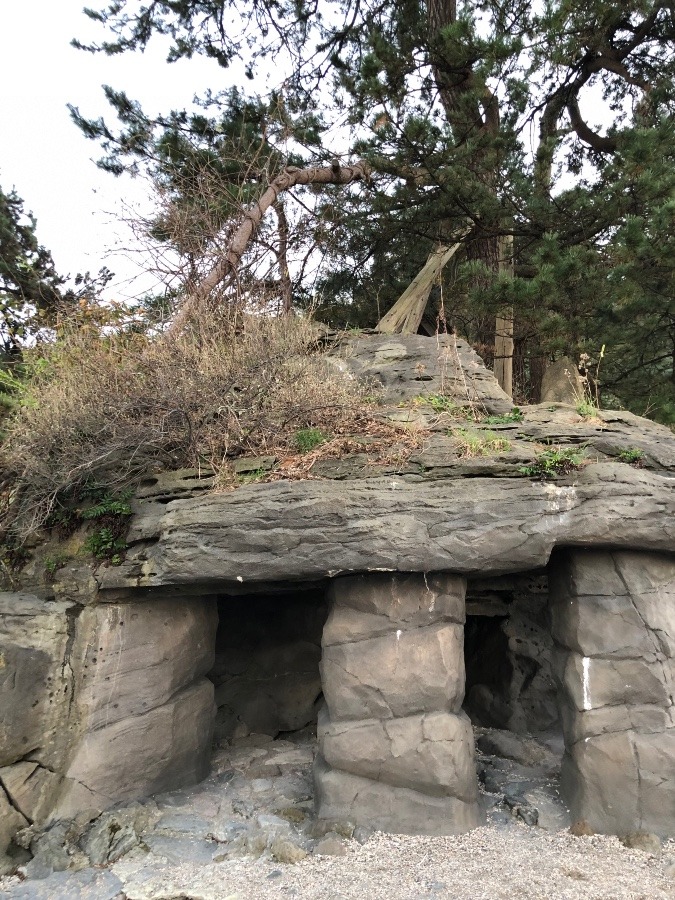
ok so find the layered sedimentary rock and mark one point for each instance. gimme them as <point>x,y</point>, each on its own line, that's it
<point>102,703</point>
<point>396,751</point>
<point>614,624</point>
<point>104,694</point>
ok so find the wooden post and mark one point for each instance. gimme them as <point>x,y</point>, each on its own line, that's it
<point>406,314</point>
<point>503,364</point>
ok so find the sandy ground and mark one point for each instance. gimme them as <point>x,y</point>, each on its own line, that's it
<point>504,859</point>
<point>487,863</point>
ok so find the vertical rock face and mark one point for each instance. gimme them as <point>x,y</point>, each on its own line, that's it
<point>396,752</point>
<point>100,703</point>
<point>613,618</point>
<point>37,685</point>
<point>144,705</point>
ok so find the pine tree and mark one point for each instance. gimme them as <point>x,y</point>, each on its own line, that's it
<point>547,124</point>
<point>30,288</point>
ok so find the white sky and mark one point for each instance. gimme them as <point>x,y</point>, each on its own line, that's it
<point>44,155</point>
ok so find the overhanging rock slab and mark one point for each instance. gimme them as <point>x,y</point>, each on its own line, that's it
<point>311,530</point>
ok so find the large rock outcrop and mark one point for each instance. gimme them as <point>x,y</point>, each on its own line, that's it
<point>104,694</point>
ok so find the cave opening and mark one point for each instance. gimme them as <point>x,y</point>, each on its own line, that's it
<point>267,654</point>
<point>512,699</point>
<point>508,654</point>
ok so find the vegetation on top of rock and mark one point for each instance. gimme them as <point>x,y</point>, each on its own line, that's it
<point>113,406</point>
<point>554,462</point>
<point>631,455</point>
<point>442,403</point>
<point>478,443</point>
<point>514,416</point>
<point>587,408</point>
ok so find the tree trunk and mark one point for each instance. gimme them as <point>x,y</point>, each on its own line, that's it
<point>503,364</point>
<point>282,259</point>
<point>471,109</point>
<point>289,178</point>
<point>406,314</point>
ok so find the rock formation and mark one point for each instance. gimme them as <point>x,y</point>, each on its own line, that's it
<point>112,678</point>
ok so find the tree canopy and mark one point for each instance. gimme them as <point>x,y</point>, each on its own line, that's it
<point>30,288</point>
<point>547,126</point>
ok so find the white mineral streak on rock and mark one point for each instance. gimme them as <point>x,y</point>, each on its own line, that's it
<point>432,605</point>
<point>398,634</point>
<point>560,499</point>
<point>586,666</point>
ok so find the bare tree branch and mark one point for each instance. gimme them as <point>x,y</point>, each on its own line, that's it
<point>289,178</point>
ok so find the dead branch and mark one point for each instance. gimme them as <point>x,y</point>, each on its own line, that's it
<point>291,177</point>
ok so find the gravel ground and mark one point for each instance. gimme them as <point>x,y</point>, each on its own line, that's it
<point>487,863</point>
<point>185,853</point>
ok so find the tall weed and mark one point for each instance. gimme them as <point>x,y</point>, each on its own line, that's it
<point>114,407</point>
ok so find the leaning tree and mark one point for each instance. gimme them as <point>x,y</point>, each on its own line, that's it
<point>541,132</point>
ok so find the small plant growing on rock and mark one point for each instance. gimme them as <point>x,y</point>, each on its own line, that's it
<point>507,419</point>
<point>474,443</point>
<point>554,462</point>
<point>109,511</point>
<point>632,455</point>
<point>307,439</point>
<point>55,562</point>
<point>440,403</point>
<point>586,408</point>
<point>106,543</point>
<point>251,477</point>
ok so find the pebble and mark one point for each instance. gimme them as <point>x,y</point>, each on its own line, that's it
<point>331,845</point>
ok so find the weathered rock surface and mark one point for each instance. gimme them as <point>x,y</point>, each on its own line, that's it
<point>166,747</point>
<point>432,753</point>
<point>613,620</point>
<point>35,677</point>
<point>393,740</point>
<point>562,383</point>
<point>400,674</point>
<point>314,530</point>
<point>389,808</point>
<point>419,514</point>
<point>411,366</point>
<point>101,703</point>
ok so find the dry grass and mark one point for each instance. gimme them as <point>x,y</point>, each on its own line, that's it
<point>111,409</point>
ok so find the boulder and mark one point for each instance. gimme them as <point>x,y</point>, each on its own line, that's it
<point>162,749</point>
<point>430,753</point>
<point>562,383</point>
<point>400,810</point>
<point>622,782</point>
<point>400,674</point>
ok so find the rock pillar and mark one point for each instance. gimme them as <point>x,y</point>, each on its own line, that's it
<point>100,704</point>
<point>613,617</point>
<point>395,750</point>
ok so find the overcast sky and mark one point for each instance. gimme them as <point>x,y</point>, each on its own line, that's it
<point>46,158</point>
